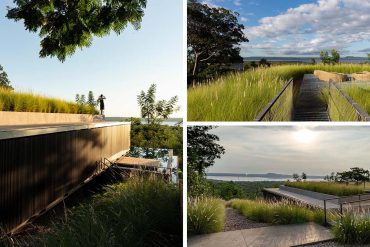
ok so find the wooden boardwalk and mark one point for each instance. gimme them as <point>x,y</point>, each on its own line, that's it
<point>310,103</point>
<point>271,236</point>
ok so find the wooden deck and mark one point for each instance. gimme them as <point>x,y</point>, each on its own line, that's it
<point>310,104</point>
<point>271,236</point>
<point>137,162</point>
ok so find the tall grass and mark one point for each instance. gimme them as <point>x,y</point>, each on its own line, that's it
<point>281,212</point>
<point>205,215</point>
<point>330,188</point>
<point>29,102</point>
<point>360,95</point>
<point>140,212</point>
<point>241,96</point>
<point>352,229</point>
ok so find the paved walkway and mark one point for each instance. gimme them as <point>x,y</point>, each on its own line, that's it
<point>271,236</point>
<point>302,198</point>
<point>310,103</point>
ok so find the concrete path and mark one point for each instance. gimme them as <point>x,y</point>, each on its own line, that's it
<point>310,103</point>
<point>271,236</point>
<point>302,198</point>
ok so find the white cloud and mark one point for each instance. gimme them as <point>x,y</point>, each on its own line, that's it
<point>325,24</point>
<point>237,3</point>
<point>243,19</point>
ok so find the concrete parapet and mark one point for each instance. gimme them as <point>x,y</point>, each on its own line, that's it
<point>327,76</point>
<point>361,76</point>
<point>29,118</point>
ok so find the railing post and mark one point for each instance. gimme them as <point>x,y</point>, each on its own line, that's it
<point>341,208</point>
<point>326,222</point>
<point>359,202</point>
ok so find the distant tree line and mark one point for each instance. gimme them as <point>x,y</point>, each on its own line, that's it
<point>81,99</point>
<point>355,174</point>
<point>4,80</point>
<point>333,59</point>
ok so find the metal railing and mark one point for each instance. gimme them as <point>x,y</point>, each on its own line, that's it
<point>280,108</point>
<point>342,107</point>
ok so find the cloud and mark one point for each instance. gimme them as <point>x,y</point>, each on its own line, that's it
<point>312,27</point>
<point>243,19</point>
<point>237,3</point>
<point>365,50</point>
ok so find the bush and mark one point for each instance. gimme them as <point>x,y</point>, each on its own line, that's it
<point>140,212</point>
<point>205,215</point>
<point>198,185</point>
<point>227,190</point>
<point>282,212</point>
<point>330,188</point>
<point>352,229</point>
<point>28,102</point>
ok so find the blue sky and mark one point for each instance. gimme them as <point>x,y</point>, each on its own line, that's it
<point>117,66</point>
<point>302,28</point>
<point>315,150</point>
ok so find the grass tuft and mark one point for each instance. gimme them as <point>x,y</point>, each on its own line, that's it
<point>331,188</point>
<point>205,215</point>
<point>352,229</point>
<point>281,212</point>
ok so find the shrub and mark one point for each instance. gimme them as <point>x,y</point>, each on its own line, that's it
<point>352,229</point>
<point>228,190</point>
<point>28,102</point>
<point>331,188</point>
<point>282,212</point>
<point>140,212</point>
<point>205,215</point>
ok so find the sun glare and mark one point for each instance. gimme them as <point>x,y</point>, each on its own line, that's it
<point>304,136</point>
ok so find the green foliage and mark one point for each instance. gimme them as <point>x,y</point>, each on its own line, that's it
<point>67,25</point>
<point>240,97</point>
<point>28,102</point>
<point>333,59</point>
<point>360,95</point>
<point>205,215</point>
<point>90,99</point>
<point>213,36</point>
<point>352,229</point>
<point>4,80</point>
<point>253,190</point>
<point>202,148</point>
<point>281,212</point>
<point>153,111</point>
<point>228,190</point>
<point>331,188</point>
<point>198,185</point>
<point>140,212</point>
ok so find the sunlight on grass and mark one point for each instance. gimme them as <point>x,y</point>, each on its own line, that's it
<point>330,188</point>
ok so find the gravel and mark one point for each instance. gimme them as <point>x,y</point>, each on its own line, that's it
<point>236,221</point>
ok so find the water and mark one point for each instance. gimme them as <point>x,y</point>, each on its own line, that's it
<point>254,179</point>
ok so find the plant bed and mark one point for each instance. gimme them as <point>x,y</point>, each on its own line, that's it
<point>331,188</point>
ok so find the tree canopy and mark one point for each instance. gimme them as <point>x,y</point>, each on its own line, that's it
<point>202,148</point>
<point>213,35</point>
<point>4,80</point>
<point>333,59</point>
<point>155,111</point>
<point>67,25</point>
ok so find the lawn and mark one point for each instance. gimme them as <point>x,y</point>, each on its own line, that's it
<point>29,102</point>
<point>331,188</point>
<point>140,212</point>
<point>241,96</point>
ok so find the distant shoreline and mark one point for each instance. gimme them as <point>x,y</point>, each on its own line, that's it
<point>263,176</point>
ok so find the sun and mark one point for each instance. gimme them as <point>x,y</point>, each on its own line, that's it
<point>304,136</point>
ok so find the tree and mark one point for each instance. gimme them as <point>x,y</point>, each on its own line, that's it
<point>264,63</point>
<point>202,148</point>
<point>313,61</point>
<point>296,177</point>
<point>77,98</point>
<point>253,64</point>
<point>4,80</point>
<point>355,174</point>
<point>212,33</point>
<point>90,99</point>
<point>153,111</point>
<point>326,59</point>
<point>82,99</point>
<point>67,25</point>
<point>368,56</point>
<point>304,176</point>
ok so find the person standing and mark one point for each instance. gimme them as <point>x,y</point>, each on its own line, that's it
<point>101,103</point>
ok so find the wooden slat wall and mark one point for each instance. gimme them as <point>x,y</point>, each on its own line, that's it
<point>37,170</point>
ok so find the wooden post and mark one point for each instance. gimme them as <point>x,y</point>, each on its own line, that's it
<point>326,222</point>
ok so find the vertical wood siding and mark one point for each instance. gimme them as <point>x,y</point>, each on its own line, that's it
<point>35,171</point>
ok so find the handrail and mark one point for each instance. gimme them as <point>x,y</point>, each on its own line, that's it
<point>361,113</point>
<point>263,113</point>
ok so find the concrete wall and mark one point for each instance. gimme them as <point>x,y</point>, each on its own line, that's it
<point>316,195</point>
<point>31,118</point>
<point>362,76</point>
<point>327,76</point>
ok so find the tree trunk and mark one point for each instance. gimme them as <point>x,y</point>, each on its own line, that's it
<point>195,67</point>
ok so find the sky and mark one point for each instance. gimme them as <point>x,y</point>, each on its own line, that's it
<point>302,27</point>
<point>118,66</point>
<point>315,150</point>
